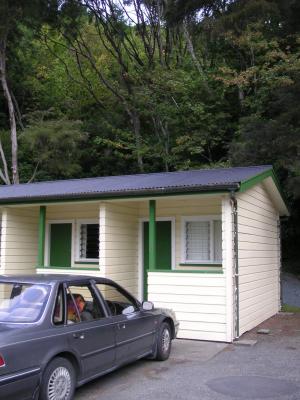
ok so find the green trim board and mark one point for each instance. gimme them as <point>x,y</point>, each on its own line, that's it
<point>183,271</point>
<point>42,235</point>
<point>248,183</point>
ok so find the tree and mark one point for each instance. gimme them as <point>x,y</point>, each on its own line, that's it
<point>12,14</point>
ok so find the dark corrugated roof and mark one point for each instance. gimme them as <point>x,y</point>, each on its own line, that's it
<point>126,185</point>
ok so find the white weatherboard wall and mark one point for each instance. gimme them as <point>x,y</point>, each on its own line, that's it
<point>119,243</point>
<point>258,257</point>
<point>19,241</point>
<point>199,301</point>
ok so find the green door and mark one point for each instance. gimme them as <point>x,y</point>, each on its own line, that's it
<point>60,245</point>
<point>163,248</point>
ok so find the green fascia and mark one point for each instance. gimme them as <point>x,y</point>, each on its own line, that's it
<point>183,271</point>
<point>41,237</point>
<point>249,183</point>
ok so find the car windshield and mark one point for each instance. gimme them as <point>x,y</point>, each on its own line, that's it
<point>22,302</point>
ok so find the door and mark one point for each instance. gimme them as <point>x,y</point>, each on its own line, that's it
<point>60,245</point>
<point>134,328</point>
<point>163,248</point>
<point>90,331</point>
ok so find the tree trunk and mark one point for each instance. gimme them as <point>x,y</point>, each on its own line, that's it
<point>136,123</point>
<point>191,50</point>
<point>11,110</point>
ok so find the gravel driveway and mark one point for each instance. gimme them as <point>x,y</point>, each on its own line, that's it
<point>213,371</point>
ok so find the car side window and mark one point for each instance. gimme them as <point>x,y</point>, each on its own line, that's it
<point>82,304</point>
<point>116,299</point>
<point>58,315</point>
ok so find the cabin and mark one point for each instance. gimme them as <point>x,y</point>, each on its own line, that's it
<point>205,243</point>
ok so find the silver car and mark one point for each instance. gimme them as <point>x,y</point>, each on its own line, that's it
<point>61,331</point>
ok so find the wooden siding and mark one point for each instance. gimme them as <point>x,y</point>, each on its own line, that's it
<point>200,206</point>
<point>258,250</point>
<point>19,242</point>
<point>119,243</point>
<point>199,301</point>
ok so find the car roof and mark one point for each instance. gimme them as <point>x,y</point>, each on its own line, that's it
<point>50,279</point>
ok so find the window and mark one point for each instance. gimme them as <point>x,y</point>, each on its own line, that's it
<point>82,305</point>
<point>116,299</point>
<point>22,302</point>
<point>201,240</point>
<point>88,241</point>
<point>58,315</point>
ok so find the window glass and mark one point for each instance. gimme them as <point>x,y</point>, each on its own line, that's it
<point>203,240</point>
<point>82,305</point>
<point>58,315</point>
<point>217,240</point>
<point>89,241</point>
<point>197,240</point>
<point>116,299</point>
<point>22,302</point>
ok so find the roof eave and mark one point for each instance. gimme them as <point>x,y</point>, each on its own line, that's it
<point>155,192</point>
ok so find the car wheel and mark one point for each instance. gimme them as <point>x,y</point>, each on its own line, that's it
<point>58,381</point>
<point>164,340</point>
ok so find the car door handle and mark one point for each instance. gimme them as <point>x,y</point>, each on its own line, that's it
<point>122,326</point>
<point>78,335</point>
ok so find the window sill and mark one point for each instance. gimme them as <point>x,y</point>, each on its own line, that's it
<point>187,271</point>
<point>200,265</point>
<point>87,262</point>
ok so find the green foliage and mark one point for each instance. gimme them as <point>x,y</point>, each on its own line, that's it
<point>290,309</point>
<point>53,145</point>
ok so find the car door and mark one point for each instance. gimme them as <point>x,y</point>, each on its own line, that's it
<point>134,331</point>
<point>92,338</point>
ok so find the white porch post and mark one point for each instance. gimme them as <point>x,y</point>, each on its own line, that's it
<point>102,238</point>
<point>227,257</point>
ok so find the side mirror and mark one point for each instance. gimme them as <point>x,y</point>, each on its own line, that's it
<point>147,306</point>
<point>128,310</point>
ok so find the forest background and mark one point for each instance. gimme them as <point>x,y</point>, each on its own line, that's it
<point>108,87</point>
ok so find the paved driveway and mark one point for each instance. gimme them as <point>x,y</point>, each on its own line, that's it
<point>213,371</point>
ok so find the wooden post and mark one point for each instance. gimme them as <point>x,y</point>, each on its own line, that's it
<point>42,233</point>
